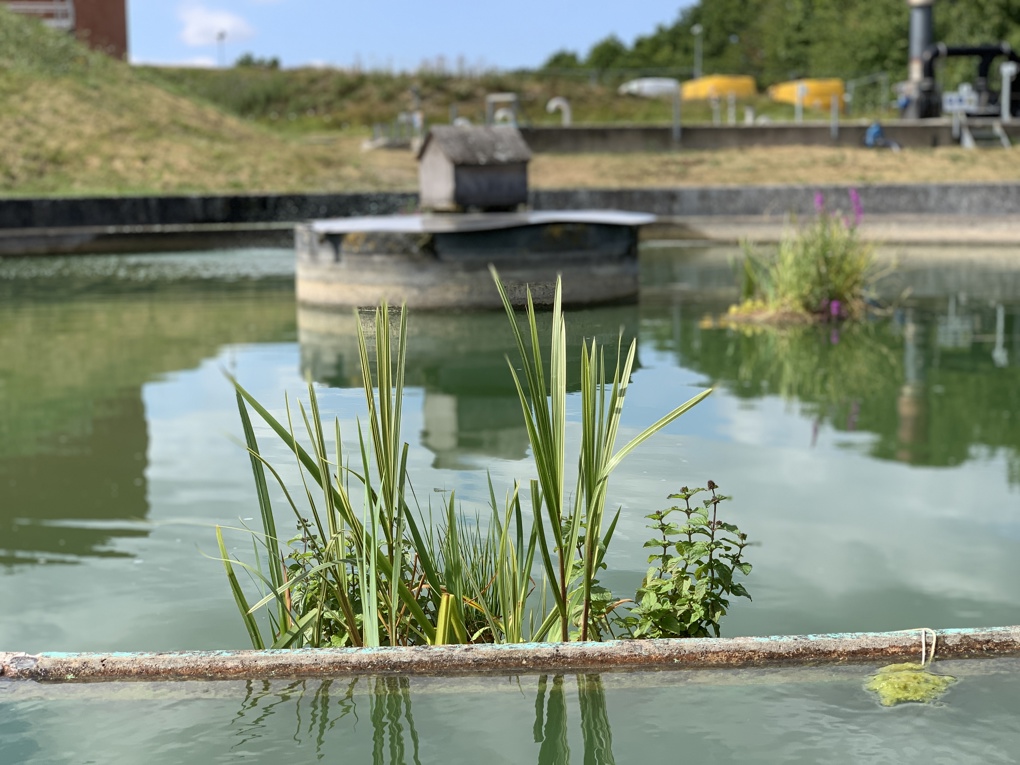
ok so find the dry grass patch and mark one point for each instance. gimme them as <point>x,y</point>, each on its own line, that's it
<point>755,166</point>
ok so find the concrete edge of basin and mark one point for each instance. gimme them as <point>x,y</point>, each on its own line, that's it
<point>900,213</point>
<point>527,658</point>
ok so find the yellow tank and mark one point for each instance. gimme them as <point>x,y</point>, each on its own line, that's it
<point>718,86</point>
<point>817,93</point>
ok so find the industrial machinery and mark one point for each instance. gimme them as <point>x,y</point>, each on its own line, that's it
<point>923,97</point>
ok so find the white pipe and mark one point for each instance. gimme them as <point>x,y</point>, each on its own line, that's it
<point>798,107</point>
<point>563,105</point>
<point>1009,70</point>
<point>676,115</point>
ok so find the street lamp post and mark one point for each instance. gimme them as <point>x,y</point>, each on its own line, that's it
<point>220,37</point>
<point>697,30</point>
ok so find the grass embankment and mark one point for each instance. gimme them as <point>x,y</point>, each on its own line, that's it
<point>73,122</point>
<point>76,122</point>
<point>303,100</point>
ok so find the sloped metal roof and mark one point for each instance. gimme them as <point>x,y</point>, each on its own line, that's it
<point>478,144</point>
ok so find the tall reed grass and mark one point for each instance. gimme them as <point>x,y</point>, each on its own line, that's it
<point>370,567</point>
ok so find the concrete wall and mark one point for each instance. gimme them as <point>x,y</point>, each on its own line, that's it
<point>436,180</point>
<point>127,214</point>
<point>966,213</point>
<point>134,212</point>
<point>566,140</point>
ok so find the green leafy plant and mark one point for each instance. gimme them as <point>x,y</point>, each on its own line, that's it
<point>694,561</point>
<point>367,568</point>
<point>822,269</point>
<point>360,572</point>
<point>571,537</point>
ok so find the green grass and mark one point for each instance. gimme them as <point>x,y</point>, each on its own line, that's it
<point>76,122</point>
<point>308,99</point>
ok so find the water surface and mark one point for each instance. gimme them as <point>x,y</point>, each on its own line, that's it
<point>877,470</point>
<point>807,715</point>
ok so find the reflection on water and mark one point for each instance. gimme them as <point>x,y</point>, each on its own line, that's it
<point>470,408</point>
<point>793,715</point>
<point>79,337</point>
<point>837,442</point>
<point>116,451</point>
<point>71,493</point>
<point>553,732</point>
<point>936,382</point>
<point>319,707</point>
<point>386,704</point>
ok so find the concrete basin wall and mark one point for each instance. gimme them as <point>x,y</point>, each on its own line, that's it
<point>959,213</point>
<point>138,213</point>
<point>194,210</point>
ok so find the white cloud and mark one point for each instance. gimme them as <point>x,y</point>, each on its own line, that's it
<point>203,26</point>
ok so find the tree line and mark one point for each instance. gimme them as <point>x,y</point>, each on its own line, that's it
<point>776,40</point>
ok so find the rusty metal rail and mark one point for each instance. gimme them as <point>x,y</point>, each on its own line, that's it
<point>508,659</point>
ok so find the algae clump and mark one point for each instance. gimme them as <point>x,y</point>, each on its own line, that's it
<point>901,683</point>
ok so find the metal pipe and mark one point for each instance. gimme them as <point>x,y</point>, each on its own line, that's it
<point>697,30</point>
<point>559,102</point>
<point>922,33</point>
<point>786,650</point>
<point>677,98</point>
<point>1009,70</point>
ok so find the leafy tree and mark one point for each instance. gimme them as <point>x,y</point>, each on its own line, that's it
<point>562,59</point>
<point>609,53</point>
<point>775,40</point>
<point>254,62</point>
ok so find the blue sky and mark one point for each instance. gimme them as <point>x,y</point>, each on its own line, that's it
<point>389,34</point>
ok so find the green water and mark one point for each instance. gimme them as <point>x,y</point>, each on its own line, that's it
<point>801,716</point>
<point>878,471</point>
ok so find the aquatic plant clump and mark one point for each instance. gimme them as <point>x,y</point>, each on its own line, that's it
<point>820,271</point>
<point>370,568</point>
<point>903,683</point>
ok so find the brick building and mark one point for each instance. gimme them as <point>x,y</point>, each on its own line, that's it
<point>101,24</point>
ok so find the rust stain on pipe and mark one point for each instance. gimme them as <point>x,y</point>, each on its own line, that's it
<point>508,659</point>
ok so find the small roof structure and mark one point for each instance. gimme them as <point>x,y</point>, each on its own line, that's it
<point>478,144</point>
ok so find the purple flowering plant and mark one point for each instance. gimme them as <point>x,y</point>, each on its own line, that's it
<point>821,269</point>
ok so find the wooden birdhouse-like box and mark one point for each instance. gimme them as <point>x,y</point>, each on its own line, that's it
<point>471,167</point>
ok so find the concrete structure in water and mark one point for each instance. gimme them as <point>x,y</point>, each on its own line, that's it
<point>442,260</point>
